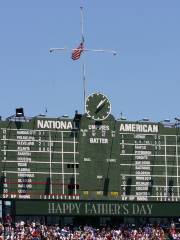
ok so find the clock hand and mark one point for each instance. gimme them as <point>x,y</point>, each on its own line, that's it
<point>100,104</point>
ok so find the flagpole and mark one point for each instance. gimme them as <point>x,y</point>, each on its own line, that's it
<point>84,87</point>
<point>76,54</point>
<point>82,24</point>
<point>83,64</point>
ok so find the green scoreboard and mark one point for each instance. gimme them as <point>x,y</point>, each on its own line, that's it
<point>89,157</point>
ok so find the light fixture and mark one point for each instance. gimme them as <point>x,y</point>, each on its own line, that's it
<point>19,112</point>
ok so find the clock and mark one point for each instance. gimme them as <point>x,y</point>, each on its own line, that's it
<point>98,106</point>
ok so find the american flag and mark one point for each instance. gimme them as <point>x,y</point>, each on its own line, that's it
<point>76,53</point>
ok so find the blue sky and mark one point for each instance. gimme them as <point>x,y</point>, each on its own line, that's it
<point>143,80</point>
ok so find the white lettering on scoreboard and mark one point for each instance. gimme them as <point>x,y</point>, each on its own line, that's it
<point>135,127</point>
<point>51,124</point>
<point>99,140</point>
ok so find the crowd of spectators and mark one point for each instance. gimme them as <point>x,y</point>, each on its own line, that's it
<point>36,231</point>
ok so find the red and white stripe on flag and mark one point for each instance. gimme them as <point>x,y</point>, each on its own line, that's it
<point>76,53</point>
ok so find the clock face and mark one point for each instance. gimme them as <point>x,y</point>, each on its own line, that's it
<point>98,106</point>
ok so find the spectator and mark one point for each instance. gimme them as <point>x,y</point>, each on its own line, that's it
<point>37,231</point>
<point>8,219</point>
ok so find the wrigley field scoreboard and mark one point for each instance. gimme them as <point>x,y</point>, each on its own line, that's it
<point>121,167</point>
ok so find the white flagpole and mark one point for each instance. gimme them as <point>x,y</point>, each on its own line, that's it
<point>84,87</point>
<point>52,50</point>
<point>83,65</point>
<point>82,24</point>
